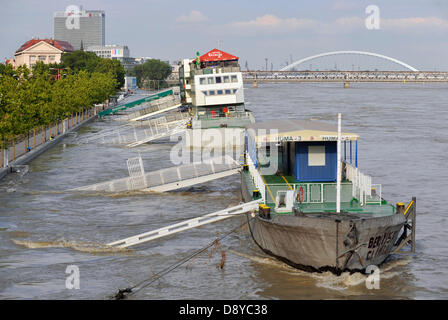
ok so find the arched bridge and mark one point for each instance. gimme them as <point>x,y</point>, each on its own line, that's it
<point>290,73</point>
<point>363,53</point>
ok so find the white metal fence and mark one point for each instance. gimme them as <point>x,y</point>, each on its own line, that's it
<point>139,180</point>
<point>147,109</point>
<point>141,131</point>
<point>362,183</point>
<point>311,192</point>
<point>257,178</point>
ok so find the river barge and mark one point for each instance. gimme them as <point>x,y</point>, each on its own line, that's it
<point>318,212</point>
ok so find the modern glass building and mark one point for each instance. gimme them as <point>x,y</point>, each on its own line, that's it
<point>76,26</point>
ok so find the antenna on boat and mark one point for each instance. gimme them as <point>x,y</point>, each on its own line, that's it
<point>338,179</point>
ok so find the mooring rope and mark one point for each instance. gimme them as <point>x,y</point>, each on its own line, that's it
<point>123,293</point>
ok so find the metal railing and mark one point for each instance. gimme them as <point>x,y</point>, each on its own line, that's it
<point>39,136</point>
<point>166,103</point>
<point>323,192</point>
<point>132,104</point>
<point>232,115</point>
<point>362,183</point>
<point>313,192</point>
<point>139,179</point>
<point>257,178</point>
<point>139,131</point>
<point>215,70</point>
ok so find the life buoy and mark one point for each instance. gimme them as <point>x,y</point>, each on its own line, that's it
<point>300,194</point>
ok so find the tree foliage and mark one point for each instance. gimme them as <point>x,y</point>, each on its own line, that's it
<point>151,70</point>
<point>90,62</point>
<point>80,60</point>
<point>29,100</point>
<point>113,67</point>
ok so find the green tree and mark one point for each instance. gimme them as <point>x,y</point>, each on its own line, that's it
<point>114,67</point>
<point>151,70</point>
<point>29,100</point>
<point>80,60</point>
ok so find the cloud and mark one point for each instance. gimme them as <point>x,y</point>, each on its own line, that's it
<point>271,24</point>
<point>194,16</point>
<point>424,24</point>
<point>271,21</point>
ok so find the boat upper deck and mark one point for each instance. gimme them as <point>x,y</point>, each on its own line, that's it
<point>320,197</point>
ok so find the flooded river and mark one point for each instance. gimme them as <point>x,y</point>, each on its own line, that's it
<point>44,228</point>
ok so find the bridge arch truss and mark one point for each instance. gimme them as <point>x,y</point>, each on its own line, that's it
<point>371,54</point>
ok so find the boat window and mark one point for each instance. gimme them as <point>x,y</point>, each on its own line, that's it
<point>211,92</point>
<point>316,156</point>
<point>204,92</point>
<point>219,92</point>
<point>210,80</point>
<point>234,90</point>
<point>228,91</point>
<point>202,80</point>
<point>234,79</point>
<point>218,80</point>
<point>226,79</point>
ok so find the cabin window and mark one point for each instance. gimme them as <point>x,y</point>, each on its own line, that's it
<point>211,92</point>
<point>234,79</point>
<point>226,79</point>
<point>228,91</point>
<point>219,92</point>
<point>202,80</point>
<point>218,79</point>
<point>210,80</point>
<point>316,156</point>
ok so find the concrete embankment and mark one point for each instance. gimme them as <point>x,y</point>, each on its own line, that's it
<point>27,157</point>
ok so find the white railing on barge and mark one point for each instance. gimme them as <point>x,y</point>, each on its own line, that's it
<point>323,192</point>
<point>257,179</point>
<point>362,183</point>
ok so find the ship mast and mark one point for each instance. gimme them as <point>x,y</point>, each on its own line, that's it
<point>338,179</point>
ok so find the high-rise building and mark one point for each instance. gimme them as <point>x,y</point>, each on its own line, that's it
<point>79,27</point>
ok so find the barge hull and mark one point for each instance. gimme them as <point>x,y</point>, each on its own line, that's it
<point>326,241</point>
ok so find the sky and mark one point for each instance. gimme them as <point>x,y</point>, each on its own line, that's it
<point>412,31</point>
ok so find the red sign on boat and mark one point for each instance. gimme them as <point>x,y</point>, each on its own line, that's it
<point>217,55</point>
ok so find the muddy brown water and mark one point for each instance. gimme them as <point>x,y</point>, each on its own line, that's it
<point>43,228</point>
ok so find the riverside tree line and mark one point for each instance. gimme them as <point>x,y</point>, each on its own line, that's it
<point>52,92</point>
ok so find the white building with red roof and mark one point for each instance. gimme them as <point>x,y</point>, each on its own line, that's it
<point>44,50</point>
